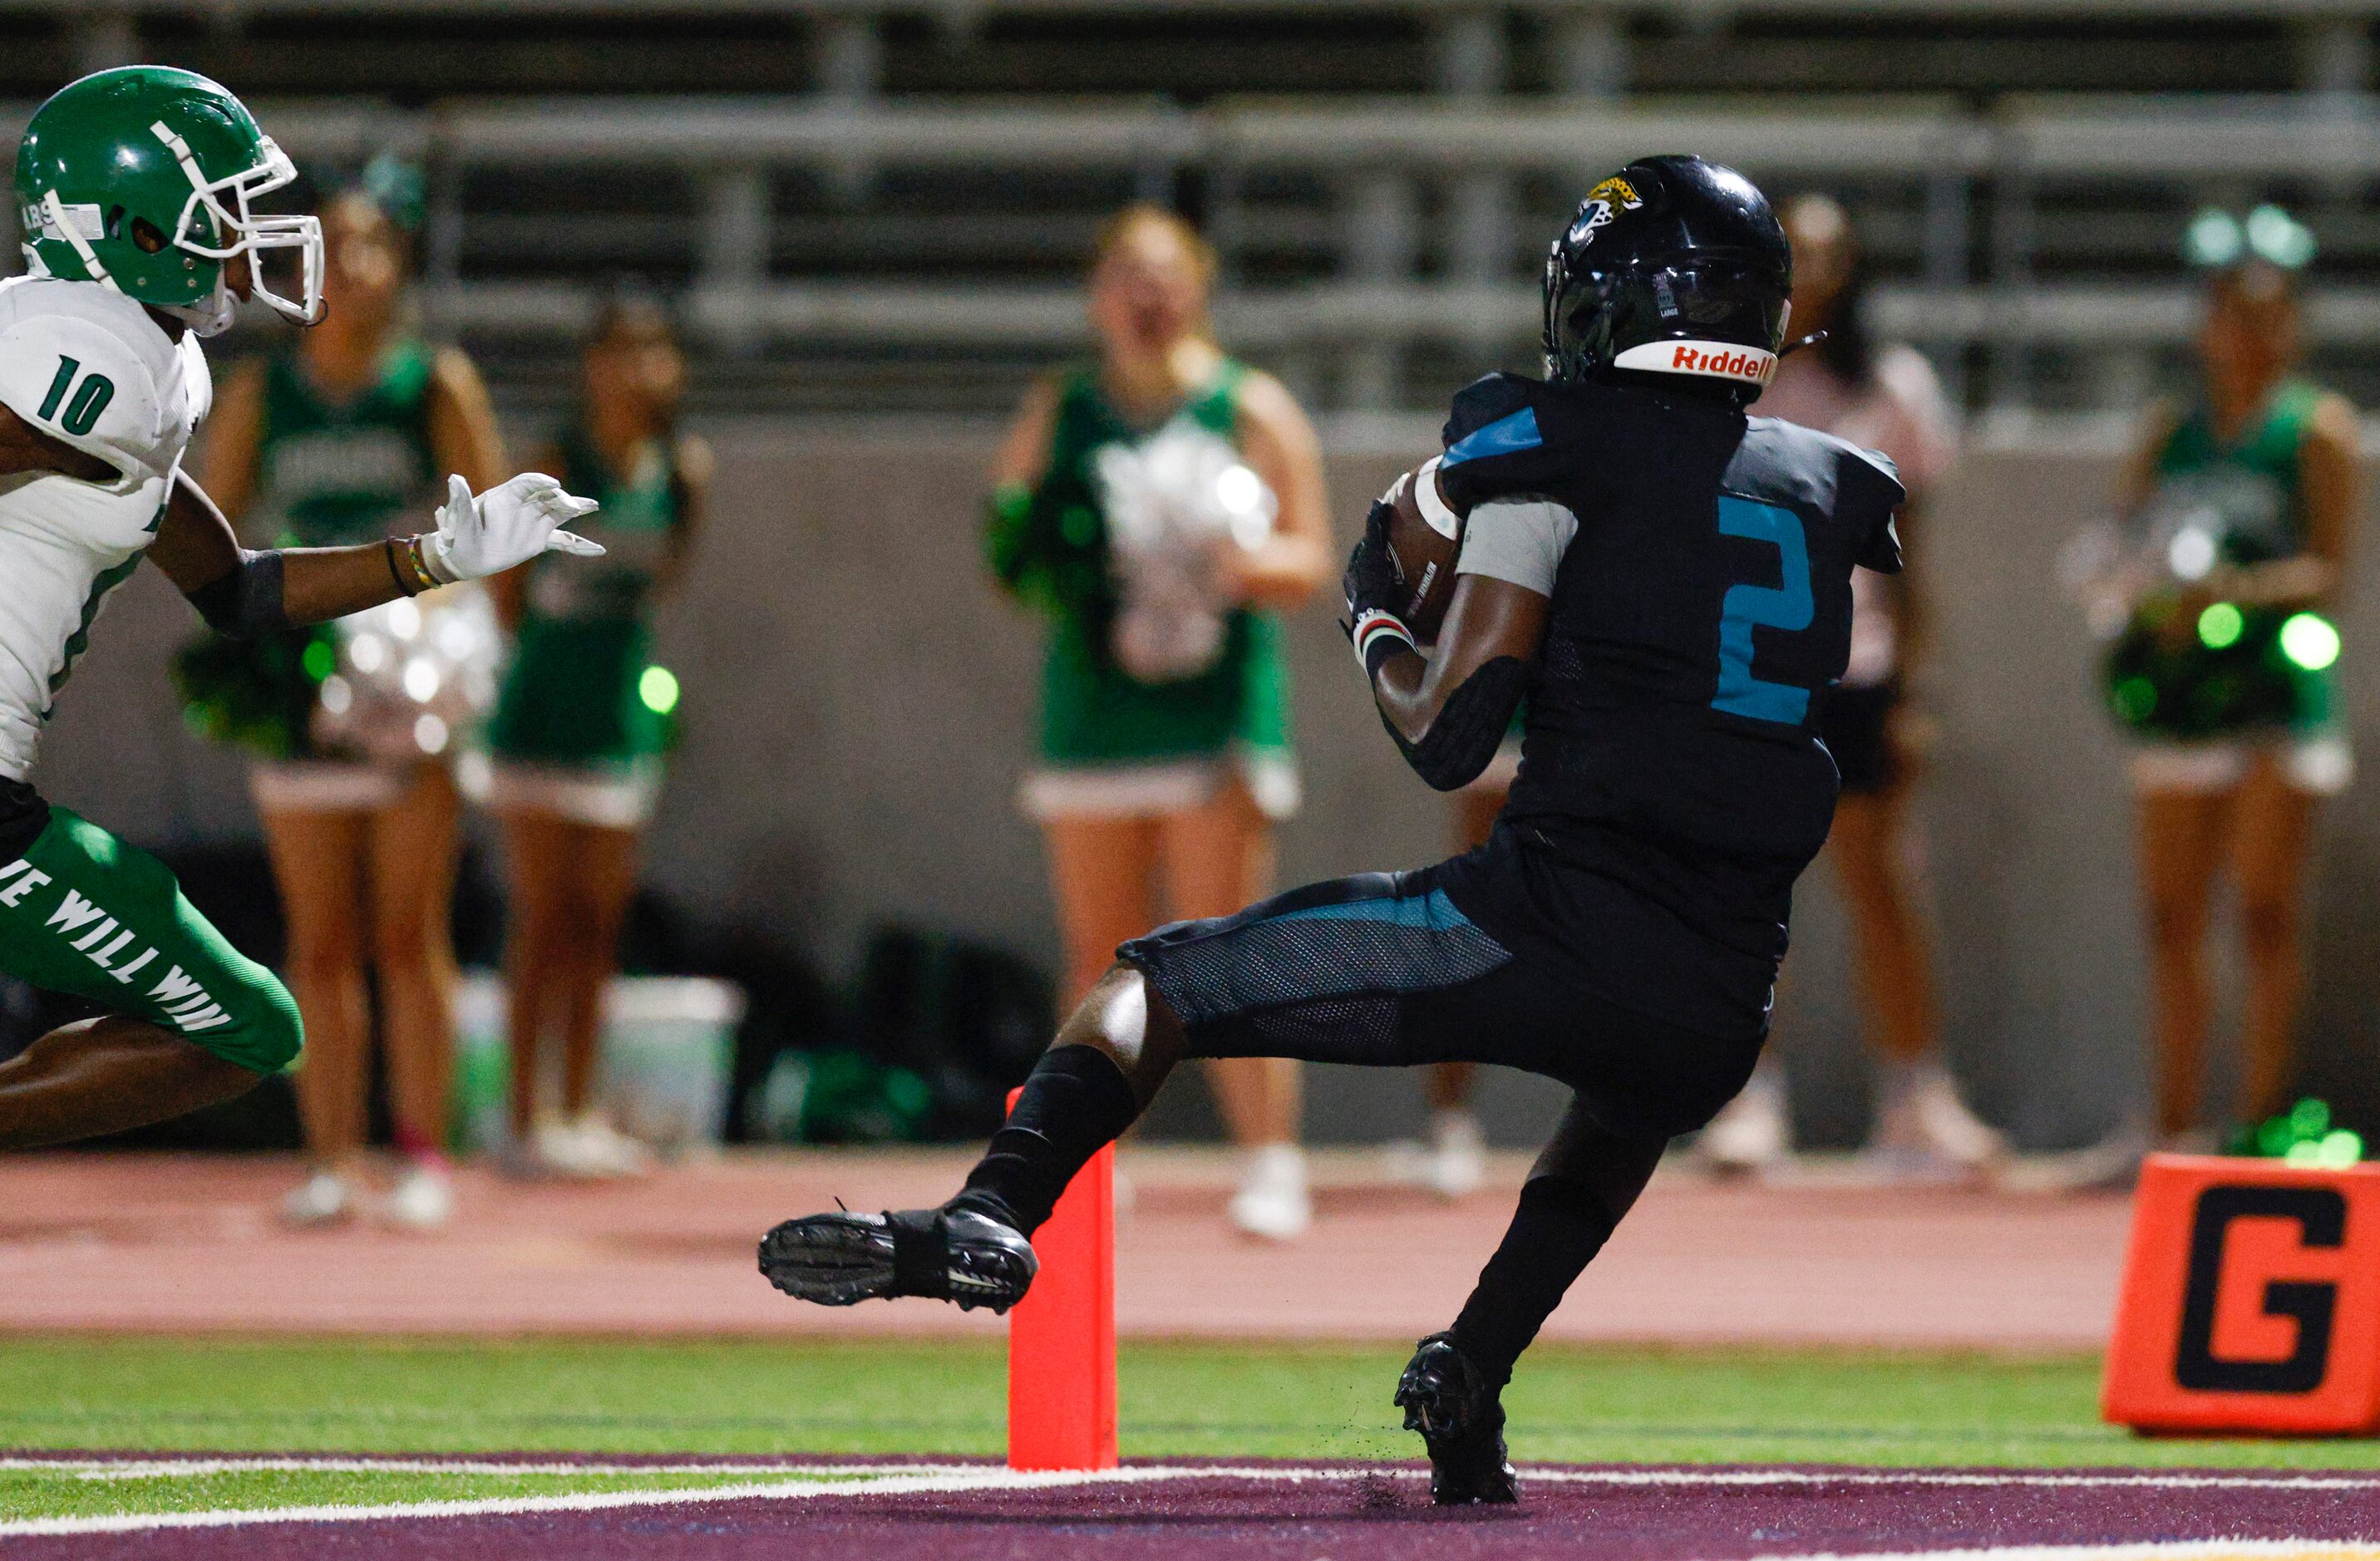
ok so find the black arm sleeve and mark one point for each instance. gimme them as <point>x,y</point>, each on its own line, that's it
<point>1469,726</point>
<point>247,602</point>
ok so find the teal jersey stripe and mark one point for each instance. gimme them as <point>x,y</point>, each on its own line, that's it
<point>1433,909</point>
<point>1505,436</point>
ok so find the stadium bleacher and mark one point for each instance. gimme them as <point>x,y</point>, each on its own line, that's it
<point>879,177</point>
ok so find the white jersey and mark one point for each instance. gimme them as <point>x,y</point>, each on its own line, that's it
<point>89,367</point>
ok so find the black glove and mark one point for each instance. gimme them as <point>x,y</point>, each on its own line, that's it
<point>1374,589</point>
<point>1372,580</point>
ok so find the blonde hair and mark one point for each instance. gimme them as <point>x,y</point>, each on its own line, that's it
<point>1116,230</point>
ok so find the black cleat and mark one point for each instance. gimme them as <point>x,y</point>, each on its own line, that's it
<point>943,1254</point>
<point>1461,1420</point>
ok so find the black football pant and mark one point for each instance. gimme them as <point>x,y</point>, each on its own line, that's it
<point>1388,970</point>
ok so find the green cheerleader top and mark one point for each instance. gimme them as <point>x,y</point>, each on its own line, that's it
<point>334,472</point>
<point>330,472</point>
<point>1049,546</point>
<point>2232,674</point>
<point>574,694</point>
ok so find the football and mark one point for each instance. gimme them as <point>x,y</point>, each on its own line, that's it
<point>1424,537</point>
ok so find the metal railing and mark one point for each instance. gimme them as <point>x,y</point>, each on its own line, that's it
<point>1981,190</point>
<point>1691,13</point>
<point>1589,43</point>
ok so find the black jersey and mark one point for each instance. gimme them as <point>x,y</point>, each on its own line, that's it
<point>1672,781</point>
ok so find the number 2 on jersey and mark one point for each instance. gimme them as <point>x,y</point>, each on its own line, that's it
<point>90,398</point>
<point>1786,605</point>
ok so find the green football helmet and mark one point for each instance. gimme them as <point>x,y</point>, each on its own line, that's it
<point>143,179</point>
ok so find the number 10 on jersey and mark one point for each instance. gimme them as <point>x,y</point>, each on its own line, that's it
<point>89,399</point>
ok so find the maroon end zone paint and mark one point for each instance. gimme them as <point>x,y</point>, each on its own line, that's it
<point>1379,1516</point>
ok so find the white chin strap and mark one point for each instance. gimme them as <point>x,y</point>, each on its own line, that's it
<point>210,316</point>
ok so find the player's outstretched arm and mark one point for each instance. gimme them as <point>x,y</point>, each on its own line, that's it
<point>1449,710</point>
<point>242,593</point>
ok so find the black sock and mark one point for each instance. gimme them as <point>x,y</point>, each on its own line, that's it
<point>1076,1101</point>
<point>1555,1233</point>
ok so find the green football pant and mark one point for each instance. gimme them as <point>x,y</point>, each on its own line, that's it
<point>82,913</point>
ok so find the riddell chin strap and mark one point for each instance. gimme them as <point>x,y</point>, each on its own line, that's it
<point>75,241</point>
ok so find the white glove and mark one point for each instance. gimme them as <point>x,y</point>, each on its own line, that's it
<point>509,524</point>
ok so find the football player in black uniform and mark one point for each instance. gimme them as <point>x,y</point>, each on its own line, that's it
<point>1668,581</point>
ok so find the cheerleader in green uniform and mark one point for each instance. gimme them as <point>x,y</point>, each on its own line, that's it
<point>2222,673</point>
<point>341,438</point>
<point>1165,752</point>
<point>580,726</point>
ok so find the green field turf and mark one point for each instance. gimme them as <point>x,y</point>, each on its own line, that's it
<point>923,1397</point>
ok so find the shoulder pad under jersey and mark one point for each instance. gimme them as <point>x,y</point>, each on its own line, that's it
<point>1867,475</point>
<point>1868,492</point>
<point>1486,400</point>
<point>1867,487</point>
<point>1814,462</point>
<point>90,369</point>
<point>1495,444</point>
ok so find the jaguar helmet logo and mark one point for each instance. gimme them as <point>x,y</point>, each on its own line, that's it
<point>1612,196</point>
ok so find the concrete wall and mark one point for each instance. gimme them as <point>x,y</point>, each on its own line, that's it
<point>859,704</point>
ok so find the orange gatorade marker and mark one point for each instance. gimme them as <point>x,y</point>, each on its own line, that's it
<point>2251,1301</point>
<point>1062,1343</point>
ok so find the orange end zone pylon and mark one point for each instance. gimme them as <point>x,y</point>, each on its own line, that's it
<point>2251,1301</point>
<point>1062,1343</point>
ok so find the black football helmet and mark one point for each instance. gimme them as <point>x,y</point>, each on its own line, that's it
<point>1672,266</point>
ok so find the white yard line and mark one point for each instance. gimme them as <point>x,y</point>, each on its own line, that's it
<point>800,1481</point>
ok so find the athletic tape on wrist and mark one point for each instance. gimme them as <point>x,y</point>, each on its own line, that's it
<point>396,569</point>
<point>400,551</point>
<point>431,563</point>
<point>1379,633</point>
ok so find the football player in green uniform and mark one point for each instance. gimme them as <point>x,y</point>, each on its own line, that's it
<point>136,192</point>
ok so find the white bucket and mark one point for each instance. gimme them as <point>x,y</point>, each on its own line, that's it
<point>667,1052</point>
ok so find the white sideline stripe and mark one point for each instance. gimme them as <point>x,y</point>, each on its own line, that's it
<point>2156,1550</point>
<point>160,1468</point>
<point>939,1479</point>
<point>1950,1477</point>
<point>185,1469</point>
<point>592,1501</point>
